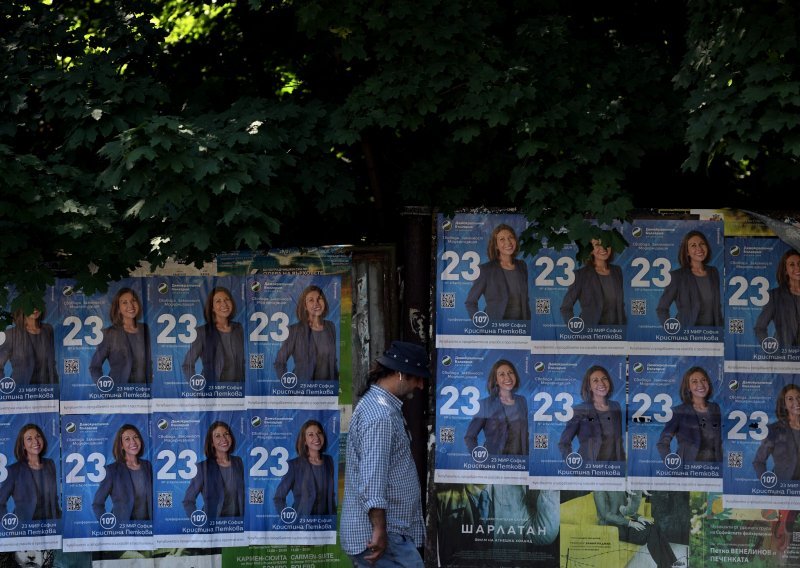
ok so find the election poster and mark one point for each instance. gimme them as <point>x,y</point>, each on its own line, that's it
<point>28,354</point>
<point>578,422</point>
<point>674,284</point>
<point>482,282</point>
<point>479,525</point>
<point>199,340</point>
<point>482,416</point>
<point>579,302</point>
<point>108,482</point>
<point>292,464</point>
<point>199,478</point>
<point>104,348</point>
<point>761,307</point>
<point>762,426</point>
<point>30,470</point>
<point>675,423</point>
<point>294,331</point>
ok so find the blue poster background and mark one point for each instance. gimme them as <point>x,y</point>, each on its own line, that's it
<point>88,451</point>
<point>555,405</point>
<point>654,394</point>
<point>16,531</point>
<point>177,324</point>
<point>272,321</point>
<point>462,255</point>
<point>751,279</point>
<point>750,423</point>
<point>272,456</point>
<point>650,264</point>
<point>462,401</point>
<point>11,386</point>
<point>178,448</point>
<point>83,326</point>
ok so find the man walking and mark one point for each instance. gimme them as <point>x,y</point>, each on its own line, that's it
<point>382,522</point>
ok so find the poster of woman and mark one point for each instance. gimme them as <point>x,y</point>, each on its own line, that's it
<point>199,345</point>
<point>482,281</point>
<point>293,464</point>
<point>482,416</point>
<point>108,482</point>
<point>199,463</point>
<point>104,347</point>
<point>30,499</point>
<point>675,423</point>
<point>294,332</point>
<point>578,426</point>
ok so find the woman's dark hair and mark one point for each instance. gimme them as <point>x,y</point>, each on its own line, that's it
<point>590,255</point>
<point>19,317</point>
<point>208,309</point>
<point>780,403</point>
<point>118,451</point>
<point>491,382</point>
<point>116,315</point>
<point>491,247</point>
<point>300,444</point>
<point>780,272</point>
<point>683,249</point>
<point>302,313</point>
<point>686,394</point>
<point>209,445</point>
<point>586,385</point>
<point>19,447</point>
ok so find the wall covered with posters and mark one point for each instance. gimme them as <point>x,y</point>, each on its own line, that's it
<point>636,409</point>
<point>189,417</point>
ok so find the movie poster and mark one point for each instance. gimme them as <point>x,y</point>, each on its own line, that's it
<point>294,336</point>
<point>103,344</point>
<point>675,423</point>
<point>28,368</point>
<point>482,416</point>
<point>609,529</point>
<point>293,457</point>
<point>499,525</point>
<point>674,283</point>
<point>30,470</point>
<point>482,283</point>
<point>199,348</point>
<point>763,322</point>
<point>578,422</point>
<point>762,414</point>
<point>108,482</point>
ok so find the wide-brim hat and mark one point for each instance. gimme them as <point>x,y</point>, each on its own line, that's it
<point>406,357</point>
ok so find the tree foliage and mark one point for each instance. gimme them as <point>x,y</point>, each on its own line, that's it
<point>145,129</point>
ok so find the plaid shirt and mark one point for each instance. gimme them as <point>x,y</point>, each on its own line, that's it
<point>379,473</point>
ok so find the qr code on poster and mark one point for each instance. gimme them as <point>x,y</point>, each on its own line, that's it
<point>448,300</point>
<point>256,496</point>
<point>736,325</point>
<point>447,435</point>
<point>74,503</point>
<point>639,442</point>
<point>735,459</point>
<point>257,361</point>
<point>165,363</point>
<point>165,500</point>
<point>72,366</point>
<point>542,306</point>
<point>639,307</point>
<point>541,441</point>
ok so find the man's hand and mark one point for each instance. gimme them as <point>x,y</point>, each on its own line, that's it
<point>380,540</point>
